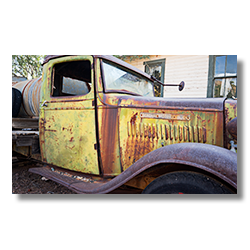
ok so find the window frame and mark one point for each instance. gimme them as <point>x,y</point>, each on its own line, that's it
<point>119,91</point>
<point>212,77</point>
<point>163,63</point>
<point>66,97</point>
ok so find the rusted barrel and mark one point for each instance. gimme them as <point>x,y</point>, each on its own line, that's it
<point>30,97</point>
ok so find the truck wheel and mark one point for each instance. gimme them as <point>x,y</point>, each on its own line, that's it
<point>185,182</point>
<point>16,102</point>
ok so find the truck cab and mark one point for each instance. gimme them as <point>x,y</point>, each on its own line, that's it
<point>98,117</point>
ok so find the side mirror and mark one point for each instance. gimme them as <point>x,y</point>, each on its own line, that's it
<point>181,85</point>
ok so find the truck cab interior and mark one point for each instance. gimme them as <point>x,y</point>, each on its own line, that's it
<point>71,79</point>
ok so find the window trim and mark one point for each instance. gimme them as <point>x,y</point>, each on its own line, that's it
<point>211,77</point>
<point>163,63</point>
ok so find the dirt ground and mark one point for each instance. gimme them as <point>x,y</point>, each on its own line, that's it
<point>24,182</point>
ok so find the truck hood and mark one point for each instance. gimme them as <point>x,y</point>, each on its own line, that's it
<point>213,104</point>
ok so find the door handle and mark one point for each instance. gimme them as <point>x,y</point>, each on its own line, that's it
<point>44,104</point>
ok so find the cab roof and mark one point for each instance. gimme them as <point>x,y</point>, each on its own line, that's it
<point>108,58</point>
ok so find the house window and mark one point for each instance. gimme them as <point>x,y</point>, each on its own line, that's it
<point>157,69</point>
<point>222,80</point>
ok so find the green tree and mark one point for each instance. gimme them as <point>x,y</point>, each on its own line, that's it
<point>131,57</point>
<point>29,66</point>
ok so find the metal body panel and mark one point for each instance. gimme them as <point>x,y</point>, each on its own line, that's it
<point>232,128</point>
<point>230,114</point>
<point>70,139</point>
<point>141,134</point>
<point>141,131</point>
<point>107,122</point>
<point>67,126</point>
<point>109,141</point>
<point>207,104</point>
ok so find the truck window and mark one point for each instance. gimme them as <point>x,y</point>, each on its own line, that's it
<point>71,78</point>
<point>121,81</point>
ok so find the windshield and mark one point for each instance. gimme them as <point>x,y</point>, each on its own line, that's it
<point>122,81</point>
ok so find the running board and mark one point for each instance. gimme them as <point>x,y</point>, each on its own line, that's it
<point>83,183</point>
<point>79,183</point>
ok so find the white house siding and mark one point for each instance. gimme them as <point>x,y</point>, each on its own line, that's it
<point>192,69</point>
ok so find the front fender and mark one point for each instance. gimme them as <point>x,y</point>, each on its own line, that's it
<point>218,161</point>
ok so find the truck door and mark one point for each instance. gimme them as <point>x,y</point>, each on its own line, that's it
<point>67,117</point>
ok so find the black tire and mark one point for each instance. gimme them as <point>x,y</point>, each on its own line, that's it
<point>16,102</point>
<point>185,182</point>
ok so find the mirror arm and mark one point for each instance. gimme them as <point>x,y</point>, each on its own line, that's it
<point>181,85</point>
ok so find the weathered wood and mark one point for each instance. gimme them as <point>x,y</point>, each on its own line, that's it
<point>17,134</point>
<point>27,139</point>
<point>21,123</point>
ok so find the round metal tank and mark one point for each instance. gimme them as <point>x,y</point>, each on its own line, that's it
<point>30,90</point>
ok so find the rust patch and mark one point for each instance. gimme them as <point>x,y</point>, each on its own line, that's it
<point>232,128</point>
<point>180,132</point>
<point>133,119</point>
<point>109,140</point>
<point>230,114</point>
<point>204,135</point>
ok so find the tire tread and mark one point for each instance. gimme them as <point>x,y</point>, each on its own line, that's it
<point>190,181</point>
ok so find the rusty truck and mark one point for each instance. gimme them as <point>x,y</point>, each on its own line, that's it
<point>96,126</point>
